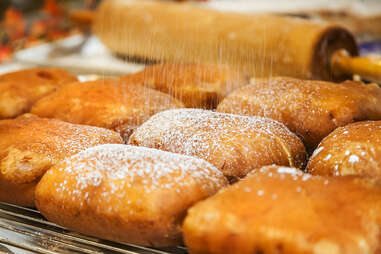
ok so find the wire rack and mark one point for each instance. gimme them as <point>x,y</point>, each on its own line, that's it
<point>24,230</point>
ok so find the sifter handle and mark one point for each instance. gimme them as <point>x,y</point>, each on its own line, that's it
<point>368,68</point>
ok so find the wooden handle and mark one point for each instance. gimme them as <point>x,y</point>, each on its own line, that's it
<point>367,68</point>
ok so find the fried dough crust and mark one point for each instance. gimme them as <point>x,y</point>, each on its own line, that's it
<point>21,89</point>
<point>125,193</point>
<point>105,103</point>
<point>30,145</point>
<point>311,109</point>
<point>282,210</point>
<point>196,85</point>
<point>354,149</point>
<point>234,144</point>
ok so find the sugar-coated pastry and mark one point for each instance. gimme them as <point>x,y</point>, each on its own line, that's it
<point>196,85</point>
<point>234,144</point>
<point>105,103</point>
<point>125,193</point>
<point>20,89</point>
<point>312,109</point>
<point>354,149</point>
<point>30,145</point>
<point>283,210</point>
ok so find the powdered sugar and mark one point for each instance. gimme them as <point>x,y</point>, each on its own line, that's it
<point>206,133</point>
<point>349,150</point>
<point>105,103</point>
<point>282,173</point>
<point>328,157</point>
<point>124,166</point>
<point>287,170</point>
<point>47,139</point>
<point>305,106</point>
<point>353,159</point>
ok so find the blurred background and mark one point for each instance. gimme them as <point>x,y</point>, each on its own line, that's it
<point>28,23</point>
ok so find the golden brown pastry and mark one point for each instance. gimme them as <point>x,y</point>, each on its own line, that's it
<point>196,85</point>
<point>234,144</point>
<point>311,109</point>
<point>105,103</point>
<point>21,194</point>
<point>30,145</point>
<point>283,210</point>
<point>354,149</point>
<point>20,89</point>
<point>125,193</point>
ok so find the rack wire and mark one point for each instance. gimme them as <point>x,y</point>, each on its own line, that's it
<point>25,229</point>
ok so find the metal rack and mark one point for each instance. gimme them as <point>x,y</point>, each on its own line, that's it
<point>25,230</point>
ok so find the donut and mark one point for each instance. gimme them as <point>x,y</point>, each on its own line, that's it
<point>126,194</point>
<point>283,210</point>
<point>105,103</point>
<point>232,143</point>
<point>311,109</point>
<point>196,85</point>
<point>354,149</point>
<point>30,145</point>
<point>19,90</point>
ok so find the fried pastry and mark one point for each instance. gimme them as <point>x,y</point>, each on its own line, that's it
<point>105,103</point>
<point>354,149</point>
<point>20,89</point>
<point>234,144</point>
<point>30,145</point>
<point>282,210</point>
<point>311,109</point>
<point>21,194</point>
<point>196,85</point>
<point>125,193</point>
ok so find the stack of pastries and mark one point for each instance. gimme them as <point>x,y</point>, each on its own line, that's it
<point>144,160</point>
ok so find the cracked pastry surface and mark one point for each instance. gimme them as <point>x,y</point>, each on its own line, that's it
<point>125,193</point>
<point>30,145</point>
<point>234,144</point>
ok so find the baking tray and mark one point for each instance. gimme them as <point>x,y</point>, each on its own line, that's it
<point>24,230</point>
